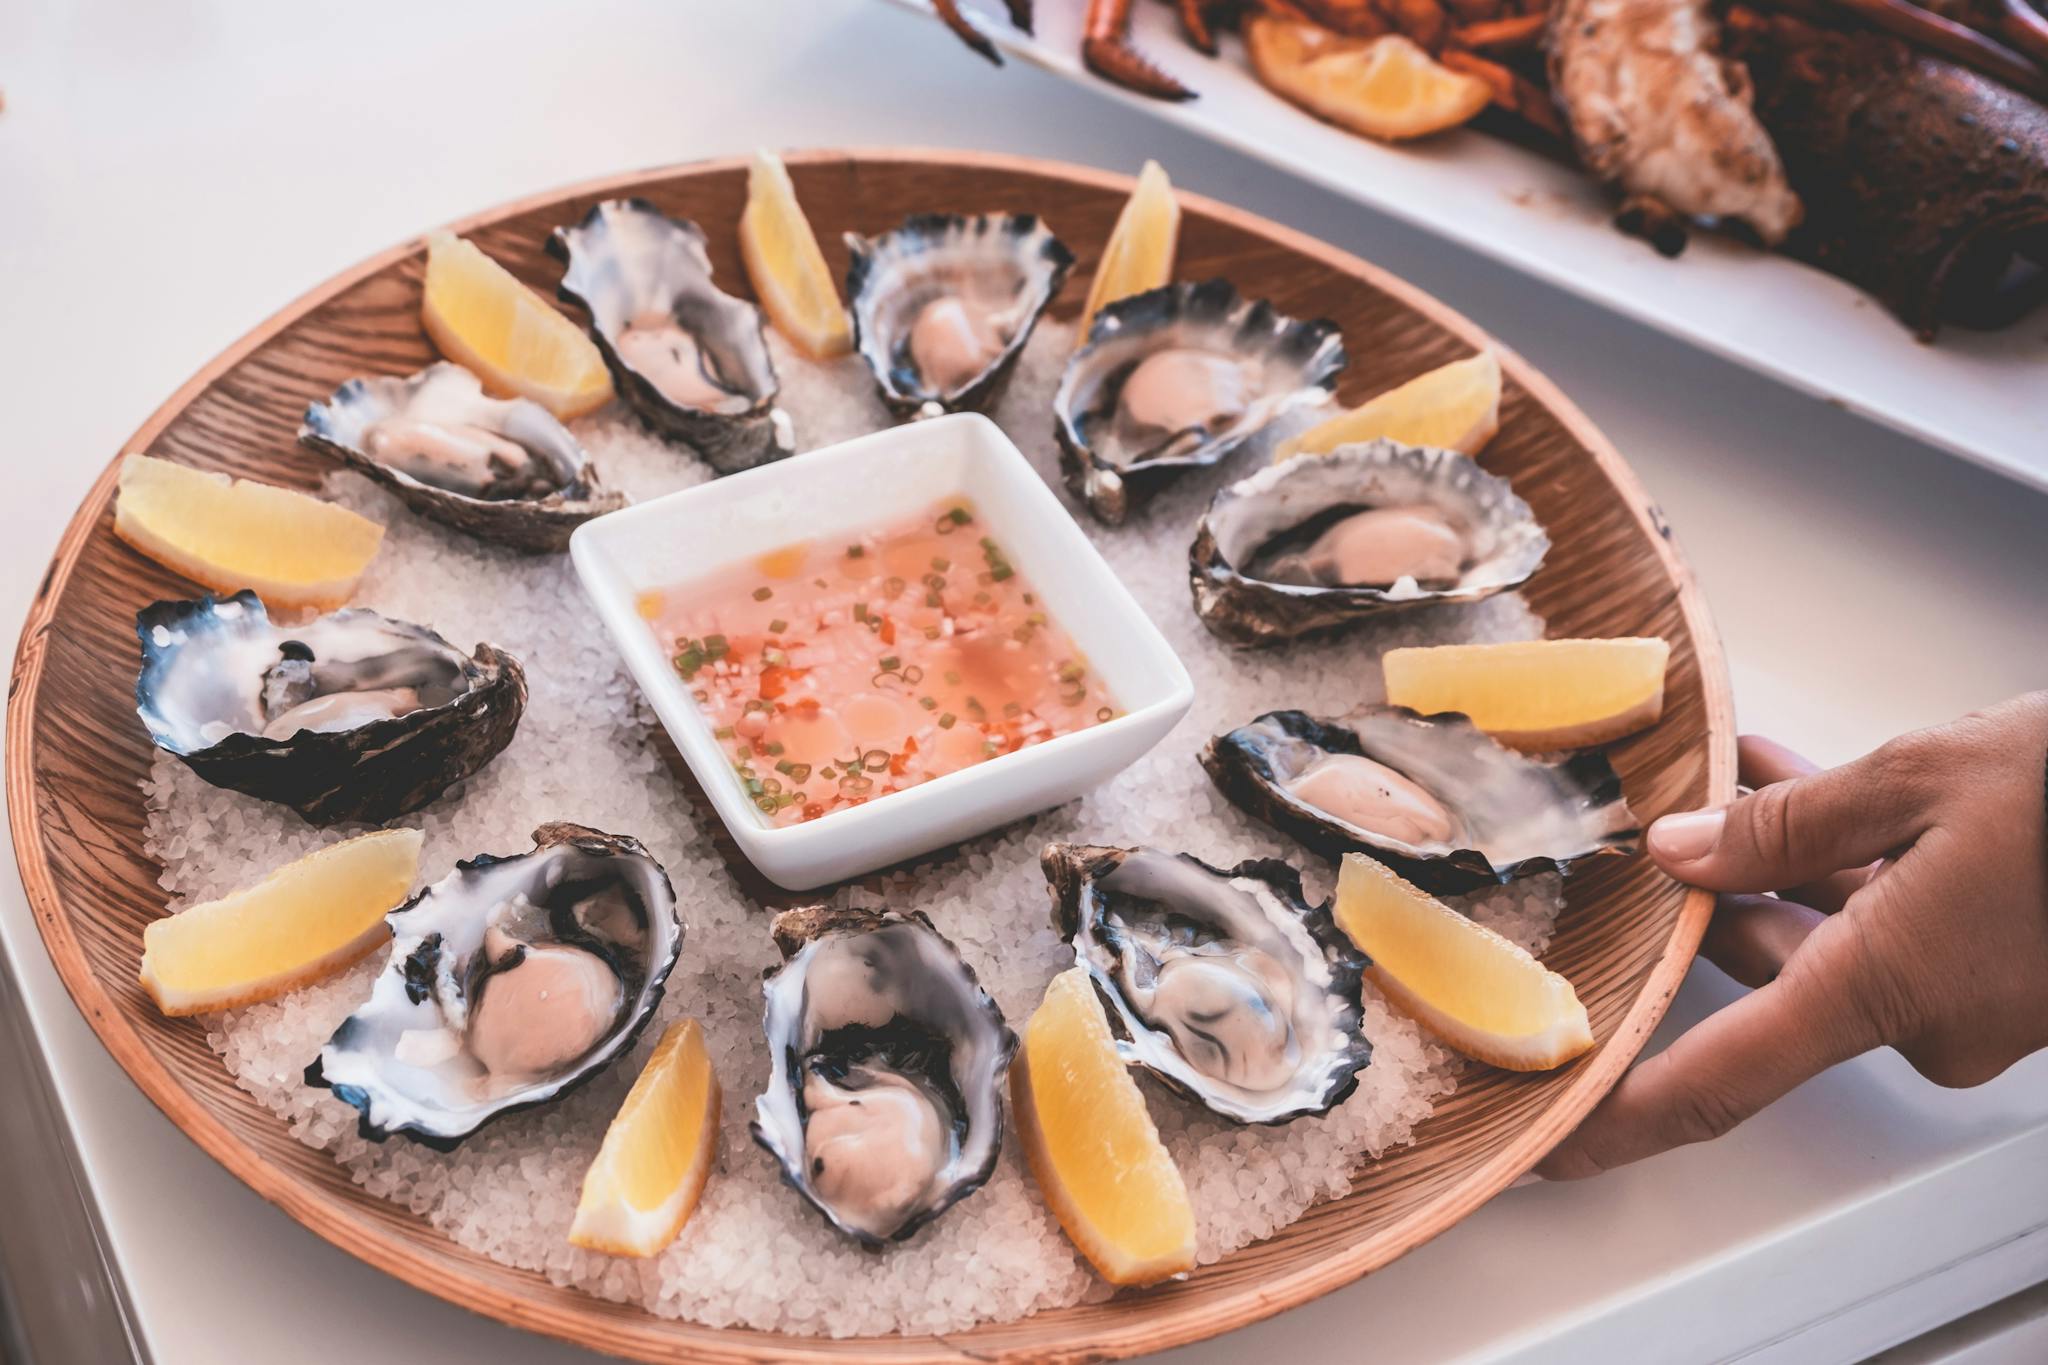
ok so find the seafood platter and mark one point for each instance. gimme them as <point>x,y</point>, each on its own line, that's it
<point>879,756</point>
<point>1855,191</point>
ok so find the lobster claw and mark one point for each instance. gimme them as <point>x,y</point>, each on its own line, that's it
<point>1107,50</point>
<point>971,34</point>
<point>1194,22</point>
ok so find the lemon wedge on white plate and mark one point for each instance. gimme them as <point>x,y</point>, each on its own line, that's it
<point>1385,87</point>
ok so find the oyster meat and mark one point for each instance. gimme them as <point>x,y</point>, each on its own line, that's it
<point>501,470</point>
<point>351,716</point>
<point>1433,797</point>
<point>943,305</point>
<point>1321,540</point>
<point>689,358</point>
<point>1176,378</point>
<point>1225,984</point>
<point>887,1058</point>
<point>510,982</point>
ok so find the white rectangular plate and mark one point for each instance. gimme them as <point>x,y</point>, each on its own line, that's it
<point>1978,394</point>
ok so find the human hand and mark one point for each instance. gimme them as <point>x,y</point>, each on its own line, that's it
<point>1912,911</point>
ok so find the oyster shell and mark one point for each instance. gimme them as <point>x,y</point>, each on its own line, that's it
<point>1291,548</point>
<point>510,982</point>
<point>689,358</point>
<point>884,1098</point>
<point>350,716</point>
<point>500,470</point>
<point>943,305</point>
<point>1175,378</point>
<point>1433,797</point>
<point>1225,984</point>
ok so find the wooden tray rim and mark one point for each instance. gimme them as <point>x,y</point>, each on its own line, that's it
<point>654,1338</point>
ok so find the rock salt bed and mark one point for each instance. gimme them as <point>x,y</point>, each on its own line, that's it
<point>754,1254</point>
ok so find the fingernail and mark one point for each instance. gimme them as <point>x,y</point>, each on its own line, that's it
<point>1686,838</point>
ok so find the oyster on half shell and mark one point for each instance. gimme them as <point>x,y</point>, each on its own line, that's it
<point>884,1099</point>
<point>1433,797</point>
<point>350,716</point>
<point>510,982</point>
<point>943,305</point>
<point>1321,540</point>
<point>689,358</point>
<point>1175,378</point>
<point>503,470</point>
<point>1225,984</point>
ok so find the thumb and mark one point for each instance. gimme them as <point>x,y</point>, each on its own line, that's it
<point>1798,830</point>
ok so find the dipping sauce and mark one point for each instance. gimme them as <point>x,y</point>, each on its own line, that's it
<point>838,670</point>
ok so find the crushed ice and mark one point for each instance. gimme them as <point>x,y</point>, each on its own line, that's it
<point>754,1254</point>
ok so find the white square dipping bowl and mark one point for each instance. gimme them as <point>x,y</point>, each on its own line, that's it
<point>850,488</point>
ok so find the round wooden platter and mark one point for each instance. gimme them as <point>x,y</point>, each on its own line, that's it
<point>76,754</point>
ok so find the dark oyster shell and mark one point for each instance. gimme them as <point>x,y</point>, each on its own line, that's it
<point>446,392</point>
<point>944,1033</point>
<point>437,939</point>
<point>1290,363</point>
<point>1506,542</point>
<point>1515,815</point>
<point>1125,908</point>
<point>374,772</point>
<point>627,259</point>
<point>890,277</point>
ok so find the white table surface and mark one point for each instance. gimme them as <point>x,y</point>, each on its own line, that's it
<point>172,171</point>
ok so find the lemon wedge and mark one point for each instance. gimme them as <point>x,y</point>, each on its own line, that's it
<point>306,920</point>
<point>484,319</point>
<point>657,1154</point>
<point>292,548</point>
<point>787,266</point>
<point>1466,984</point>
<point>1455,407</point>
<point>1537,695</point>
<point>1091,1144</point>
<point>1384,87</point>
<point>1141,246</point>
